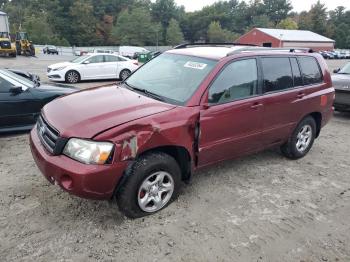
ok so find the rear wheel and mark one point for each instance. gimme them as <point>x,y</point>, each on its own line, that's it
<point>124,74</point>
<point>302,139</point>
<point>153,182</point>
<point>72,77</point>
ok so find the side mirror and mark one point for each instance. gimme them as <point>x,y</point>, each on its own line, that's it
<point>86,62</point>
<point>336,70</point>
<point>16,90</point>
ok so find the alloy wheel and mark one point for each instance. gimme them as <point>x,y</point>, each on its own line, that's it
<point>304,138</point>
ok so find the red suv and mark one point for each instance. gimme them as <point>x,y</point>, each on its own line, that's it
<point>188,108</point>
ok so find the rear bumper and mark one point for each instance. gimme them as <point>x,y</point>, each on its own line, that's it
<point>86,181</point>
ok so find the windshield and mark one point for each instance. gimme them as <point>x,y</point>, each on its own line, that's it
<point>20,79</point>
<point>172,77</point>
<point>79,59</point>
<point>345,69</point>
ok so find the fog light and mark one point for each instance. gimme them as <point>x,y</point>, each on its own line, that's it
<point>66,182</point>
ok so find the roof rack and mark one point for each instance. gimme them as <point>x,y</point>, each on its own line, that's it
<point>210,44</point>
<point>264,49</point>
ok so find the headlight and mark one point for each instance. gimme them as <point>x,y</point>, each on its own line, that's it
<point>59,68</point>
<point>88,152</point>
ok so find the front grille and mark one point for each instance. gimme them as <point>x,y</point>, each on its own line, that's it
<point>5,44</point>
<point>48,135</point>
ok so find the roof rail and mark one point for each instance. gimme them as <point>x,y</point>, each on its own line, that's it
<point>264,49</point>
<point>210,44</point>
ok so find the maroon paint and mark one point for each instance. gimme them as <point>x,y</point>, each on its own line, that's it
<point>123,117</point>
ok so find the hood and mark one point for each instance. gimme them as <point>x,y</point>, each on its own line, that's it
<point>64,89</point>
<point>341,81</point>
<point>60,65</point>
<point>87,113</point>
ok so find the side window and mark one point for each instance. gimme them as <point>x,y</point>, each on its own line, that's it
<point>5,85</point>
<point>96,59</point>
<point>111,58</point>
<point>310,70</point>
<point>277,74</point>
<point>237,81</point>
<point>298,81</point>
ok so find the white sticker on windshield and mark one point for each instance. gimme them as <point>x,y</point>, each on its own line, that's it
<point>195,65</point>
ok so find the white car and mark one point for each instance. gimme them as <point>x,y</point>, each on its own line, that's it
<point>92,67</point>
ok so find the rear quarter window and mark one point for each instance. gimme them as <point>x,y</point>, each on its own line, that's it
<point>310,70</point>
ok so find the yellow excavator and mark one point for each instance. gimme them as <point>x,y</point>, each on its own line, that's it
<point>23,45</point>
<point>6,47</point>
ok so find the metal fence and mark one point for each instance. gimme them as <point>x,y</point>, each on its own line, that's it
<point>64,50</point>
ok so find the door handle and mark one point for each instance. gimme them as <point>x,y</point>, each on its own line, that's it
<point>300,95</point>
<point>256,106</point>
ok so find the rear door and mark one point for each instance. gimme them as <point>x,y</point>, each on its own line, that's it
<point>111,66</point>
<point>231,124</point>
<point>286,98</point>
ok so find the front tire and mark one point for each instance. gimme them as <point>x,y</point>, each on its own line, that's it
<point>72,77</point>
<point>301,140</point>
<point>153,183</point>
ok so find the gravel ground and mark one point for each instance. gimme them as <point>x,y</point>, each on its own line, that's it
<point>258,208</point>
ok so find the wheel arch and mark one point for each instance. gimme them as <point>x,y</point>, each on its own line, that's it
<point>317,116</point>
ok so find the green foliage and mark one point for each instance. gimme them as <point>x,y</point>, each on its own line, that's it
<point>135,27</point>
<point>174,35</point>
<point>216,34</point>
<point>287,23</point>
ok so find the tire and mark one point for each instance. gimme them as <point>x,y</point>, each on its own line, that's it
<point>124,74</point>
<point>13,54</point>
<point>301,140</point>
<point>152,176</point>
<point>72,77</point>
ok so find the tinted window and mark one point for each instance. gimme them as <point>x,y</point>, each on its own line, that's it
<point>238,80</point>
<point>310,70</point>
<point>96,59</point>
<point>111,58</point>
<point>298,81</point>
<point>277,74</point>
<point>4,85</point>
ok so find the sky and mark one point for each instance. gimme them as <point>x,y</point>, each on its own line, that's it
<point>299,5</point>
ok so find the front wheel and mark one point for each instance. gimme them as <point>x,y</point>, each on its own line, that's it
<point>124,74</point>
<point>153,183</point>
<point>72,77</point>
<point>301,140</point>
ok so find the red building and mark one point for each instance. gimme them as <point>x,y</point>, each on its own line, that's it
<point>287,38</point>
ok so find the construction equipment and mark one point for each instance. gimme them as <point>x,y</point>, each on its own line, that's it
<point>23,45</point>
<point>6,47</point>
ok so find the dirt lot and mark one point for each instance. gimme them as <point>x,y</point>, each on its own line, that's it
<point>258,208</point>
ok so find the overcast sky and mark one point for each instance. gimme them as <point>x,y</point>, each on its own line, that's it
<point>299,5</point>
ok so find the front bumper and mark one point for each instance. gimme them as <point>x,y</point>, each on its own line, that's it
<point>7,51</point>
<point>86,181</point>
<point>342,99</point>
<point>56,75</point>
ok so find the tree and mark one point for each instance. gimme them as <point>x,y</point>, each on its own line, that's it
<point>135,27</point>
<point>217,34</point>
<point>287,23</point>
<point>318,17</point>
<point>174,34</point>
<point>277,10</point>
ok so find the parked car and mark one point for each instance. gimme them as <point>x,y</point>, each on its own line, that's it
<point>32,77</point>
<point>327,55</point>
<point>186,109</point>
<point>51,49</point>
<point>131,51</point>
<point>103,51</point>
<point>341,82</point>
<point>21,100</point>
<point>91,67</point>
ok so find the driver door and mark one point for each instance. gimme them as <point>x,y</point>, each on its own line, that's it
<point>15,108</point>
<point>231,124</point>
<point>93,68</point>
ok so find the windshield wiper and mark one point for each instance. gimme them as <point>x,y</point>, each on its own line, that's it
<point>146,92</point>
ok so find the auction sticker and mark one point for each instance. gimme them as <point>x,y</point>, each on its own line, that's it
<point>195,65</point>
